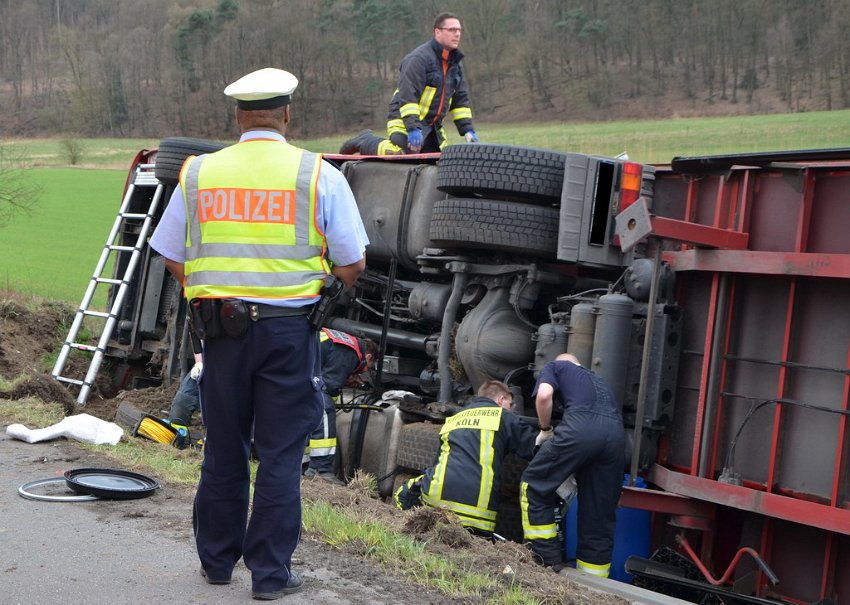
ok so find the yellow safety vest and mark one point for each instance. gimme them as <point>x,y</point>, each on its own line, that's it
<point>251,215</point>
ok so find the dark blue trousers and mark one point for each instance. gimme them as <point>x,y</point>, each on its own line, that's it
<point>267,383</point>
<point>592,446</point>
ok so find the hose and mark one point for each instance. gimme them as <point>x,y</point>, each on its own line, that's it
<point>449,316</point>
<point>155,430</point>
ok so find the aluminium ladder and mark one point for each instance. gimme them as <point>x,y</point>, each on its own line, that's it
<point>143,176</point>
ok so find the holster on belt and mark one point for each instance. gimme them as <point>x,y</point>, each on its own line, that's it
<point>234,317</point>
<point>205,317</point>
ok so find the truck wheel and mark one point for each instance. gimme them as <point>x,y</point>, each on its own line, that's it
<point>418,446</point>
<point>510,227</point>
<point>502,171</point>
<point>173,151</point>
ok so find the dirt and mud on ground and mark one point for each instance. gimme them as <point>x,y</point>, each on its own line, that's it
<point>28,336</point>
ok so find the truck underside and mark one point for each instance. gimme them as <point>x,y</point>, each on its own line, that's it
<point>712,293</point>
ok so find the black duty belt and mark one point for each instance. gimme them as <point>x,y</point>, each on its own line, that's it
<point>257,311</point>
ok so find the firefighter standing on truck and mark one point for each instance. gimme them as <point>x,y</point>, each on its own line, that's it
<point>467,476</point>
<point>344,358</point>
<point>431,84</point>
<point>589,442</point>
<point>251,233</point>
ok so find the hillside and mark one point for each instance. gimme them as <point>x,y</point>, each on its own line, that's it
<point>122,69</point>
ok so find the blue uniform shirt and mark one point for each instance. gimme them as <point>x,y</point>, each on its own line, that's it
<point>578,389</point>
<point>336,212</point>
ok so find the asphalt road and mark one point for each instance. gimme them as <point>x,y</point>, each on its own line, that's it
<point>133,551</point>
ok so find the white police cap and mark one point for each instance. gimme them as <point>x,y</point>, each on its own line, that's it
<point>265,88</point>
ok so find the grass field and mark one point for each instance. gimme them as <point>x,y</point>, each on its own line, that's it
<point>53,252</point>
<point>659,141</point>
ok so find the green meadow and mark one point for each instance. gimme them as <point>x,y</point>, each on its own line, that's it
<point>53,251</point>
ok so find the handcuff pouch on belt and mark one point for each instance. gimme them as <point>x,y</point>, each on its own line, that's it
<point>212,317</point>
<point>234,317</point>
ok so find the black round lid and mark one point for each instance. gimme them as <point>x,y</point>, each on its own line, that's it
<point>110,483</point>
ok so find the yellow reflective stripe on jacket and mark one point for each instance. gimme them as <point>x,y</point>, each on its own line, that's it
<point>410,109</point>
<point>485,457</point>
<point>435,489</point>
<point>601,571</point>
<point>396,126</point>
<point>424,101</point>
<point>529,531</point>
<point>480,518</point>
<point>253,234</point>
<point>461,113</point>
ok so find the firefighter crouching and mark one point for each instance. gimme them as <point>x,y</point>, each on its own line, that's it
<point>466,477</point>
<point>344,358</point>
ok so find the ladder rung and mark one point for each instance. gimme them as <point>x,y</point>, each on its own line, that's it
<point>107,280</point>
<point>69,380</point>
<point>82,347</point>
<point>121,248</point>
<point>102,314</point>
<point>133,215</point>
<point>145,177</point>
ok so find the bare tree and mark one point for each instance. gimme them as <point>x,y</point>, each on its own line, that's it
<point>18,192</point>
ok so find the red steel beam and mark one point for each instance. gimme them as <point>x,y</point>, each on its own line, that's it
<point>764,503</point>
<point>700,419</point>
<point>656,501</point>
<point>761,262</point>
<point>701,235</point>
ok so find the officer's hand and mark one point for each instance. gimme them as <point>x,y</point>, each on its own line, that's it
<point>543,436</point>
<point>414,140</point>
<point>196,370</point>
<point>471,137</point>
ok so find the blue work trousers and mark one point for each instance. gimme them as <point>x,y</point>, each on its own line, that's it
<point>591,446</point>
<point>267,382</point>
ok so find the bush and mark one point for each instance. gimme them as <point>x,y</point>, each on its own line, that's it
<point>72,149</point>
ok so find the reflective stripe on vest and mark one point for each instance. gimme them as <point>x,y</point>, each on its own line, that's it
<point>253,234</point>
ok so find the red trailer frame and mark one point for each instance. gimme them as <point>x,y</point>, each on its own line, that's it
<point>761,251</point>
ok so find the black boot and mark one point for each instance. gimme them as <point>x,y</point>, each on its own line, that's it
<point>353,144</point>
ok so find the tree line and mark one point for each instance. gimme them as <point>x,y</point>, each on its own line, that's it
<point>158,67</point>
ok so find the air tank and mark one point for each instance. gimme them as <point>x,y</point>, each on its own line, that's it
<point>611,341</point>
<point>582,328</point>
<point>551,341</point>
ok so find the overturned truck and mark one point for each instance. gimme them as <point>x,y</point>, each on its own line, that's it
<point>711,292</point>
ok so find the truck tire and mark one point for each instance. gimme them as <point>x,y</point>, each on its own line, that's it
<point>502,171</point>
<point>173,151</point>
<point>418,446</point>
<point>511,227</point>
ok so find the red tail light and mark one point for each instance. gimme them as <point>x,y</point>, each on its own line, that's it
<point>630,184</point>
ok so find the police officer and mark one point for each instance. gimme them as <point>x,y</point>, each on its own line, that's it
<point>467,475</point>
<point>589,442</point>
<point>431,84</point>
<point>344,358</point>
<point>263,224</point>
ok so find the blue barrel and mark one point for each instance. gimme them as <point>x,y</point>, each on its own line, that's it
<point>632,536</point>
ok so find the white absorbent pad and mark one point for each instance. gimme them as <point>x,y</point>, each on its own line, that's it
<point>82,427</point>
